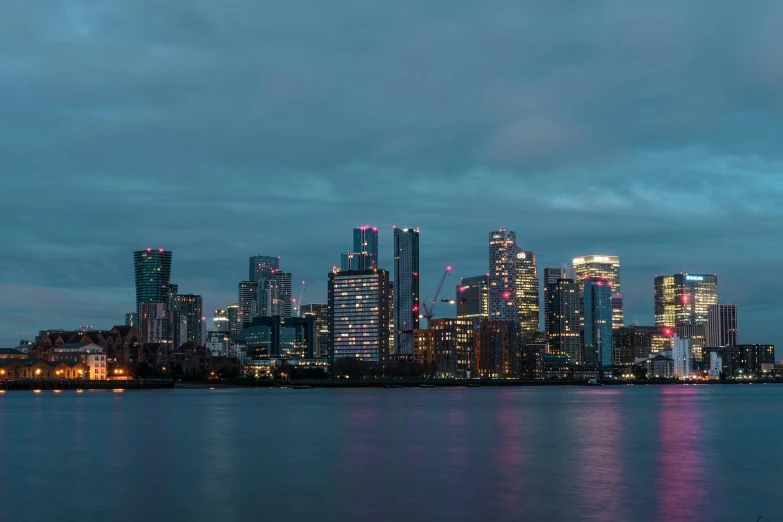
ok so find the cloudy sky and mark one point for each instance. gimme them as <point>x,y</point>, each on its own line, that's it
<point>650,130</point>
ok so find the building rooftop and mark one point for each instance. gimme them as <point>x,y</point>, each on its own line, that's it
<point>10,351</point>
<point>73,345</point>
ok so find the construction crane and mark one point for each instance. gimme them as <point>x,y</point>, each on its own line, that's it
<point>429,311</point>
<point>298,304</point>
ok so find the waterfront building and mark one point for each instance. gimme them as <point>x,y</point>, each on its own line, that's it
<point>716,366</point>
<point>659,367</point>
<point>320,313</point>
<point>696,334</point>
<point>527,292</point>
<point>406,288</point>
<point>218,343</point>
<point>154,323</point>
<point>365,241</point>
<point>682,299</point>
<point>234,325</point>
<point>220,321</point>
<point>189,307</point>
<point>597,332</point>
<point>503,303</point>
<point>247,302</point>
<point>152,271</point>
<point>745,358</point>
<point>562,321</point>
<point>681,355</point>
<point>262,267</point>
<point>532,361</point>
<point>452,347</point>
<point>90,354</point>
<point>721,326</point>
<point>630,343</point>
<point>498,350</point>
<point>553,275</point>
<point>359,315</point>
<point>472,299</point>
<point>283,280</point>
<point>608,268</point>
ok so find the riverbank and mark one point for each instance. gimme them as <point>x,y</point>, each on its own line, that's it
<point>59,384</point>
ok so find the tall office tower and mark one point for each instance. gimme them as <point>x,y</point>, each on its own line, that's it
<point>452,344</point>
<point>284,293</point>
<point>498,350</point>
<point>562,317</point>
<point>234,326</point>
<point>608,268</point>
<point>269,302</point>
<point>153,322</point>
<point>597,314</point>
<point>262,267</point>
<point>473,299</point>
<point>503,303</point>
<point>553,275</point>
<point>132,319</point>
<point>173,291</point>
<point>365,241</point>
<point>152,270</point>
<point>681,354</point>
<point>247,302</point>
<point>721,327</point>
<point>697,335</point>
<point>682,299</point>
<point>406,288</point>
<point>355,261</point>
<point>189,308</point>
<point>321,314</point>
<point>220,321</point>
<point>359,315</point>
<point>527,294</point>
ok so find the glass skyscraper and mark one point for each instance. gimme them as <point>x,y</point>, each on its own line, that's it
<point>220,321</point>
<point>608,268</point>
<point>683,299</point>
<point>562,321</point>
<point>247,301</point>
<point>365,241</point>
<point>473,299</point>
<point>152,270</point>
<point>527,289</point>
<point>189,307</point>
<point>597,313</point>
<point>503,303</point>
<point>406,288</point>
<point>262,267</point>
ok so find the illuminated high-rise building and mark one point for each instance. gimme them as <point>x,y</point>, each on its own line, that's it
<point>247,302</point>
<point>234,324</point>
<point>696,334</point>
<point>365,241</point>
<point>597,318</point>
<point>682,299</point>
<point>321,314</point>
<point>472,299</point>
<point>152,270</point>
<point>553,275</point>
<point>527,292</point>
<point>562,316</point>
<point>153,322</point>
<point>721,326</point>
<point>220,321</point>
<point>452,346</point>
<point>189,307</point>
<point>608,268</point>
<point>503,302</point>
<point>262,267</point>
<point>359,318</point>
<point>406,288</point>
<point>284,293</point>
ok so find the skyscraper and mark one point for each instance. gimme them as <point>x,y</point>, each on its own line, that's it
<point>234,324</point>
<point>284,293</point>
<point>553,275</point>
<point>262,267</point>
<point>721,327</point>
<point>473,299</point>
<point>365,241</point>
<point>153,322</point>
<point>608,268</point>
<point>406,290</point>
<point>321,314</point>
<point>597,313</point>
<point>220,321</point>
<point>359,315</point>
<point>452,345</point>
<point>562,316</point>
<point>269,302</point>
<point>503,303</point>
<point>152,269</point>
<point>683,299</point>
<point>527,292</point>
<point>189,307</point>
<point>247,301</point>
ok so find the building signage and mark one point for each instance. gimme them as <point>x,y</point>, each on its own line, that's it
<point>694,278</point>
<point>521,255</point>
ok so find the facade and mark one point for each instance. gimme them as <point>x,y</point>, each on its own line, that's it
<point>472,299</point>
<point>721,326</point>
<point>681,355</point>
<point>283,280</point>
<point>696,334</point>
<point>745,358</point>
<point>218,343</point>
<point>631,343</point>
<point>452,346</point>
<point>132,319</point>
<point>682,299</point>
<point>553,275</point>
<point>503,303</point>
<point>563,319</point>
<point>262,267</point>
<point>527,292</point>
<point>234,326</point>
<point>152,271</point>
<point>608,268</point>
<point>359,315</point>
<point>660,367</point>
<point>406,289</point>
<point>189,307</point>
<point>597,333</point>
<point>320,312</point>
<point>220,321</point>
<point>498,350</point>
<point>365,241</point>
<point>247,302</point>
<point>716,366</point>
<point>154,322</point>
<point>355,260</point>
<point>297,338</point>
<point>88,353</point>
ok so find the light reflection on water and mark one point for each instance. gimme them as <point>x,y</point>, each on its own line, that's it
<point>642,454</point>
